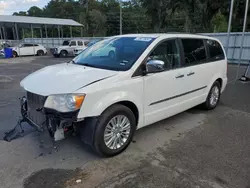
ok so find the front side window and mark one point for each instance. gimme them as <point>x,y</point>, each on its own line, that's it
<point>65,43</point>
<point>116,53</point>
<point>73,43</point>
<point>215,50</point>
<point>167,52</point>
<point>194,51</point>
<point>27,45</point>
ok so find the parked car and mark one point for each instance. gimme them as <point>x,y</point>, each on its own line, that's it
<point>28,49</point>
<point>107,98</point>
<point>68,49</point>
<point>77,51</point>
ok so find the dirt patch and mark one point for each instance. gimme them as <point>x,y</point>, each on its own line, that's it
<point>54,178</point>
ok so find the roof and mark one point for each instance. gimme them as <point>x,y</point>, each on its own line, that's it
<point>156,35</point>
<point>37,20</point>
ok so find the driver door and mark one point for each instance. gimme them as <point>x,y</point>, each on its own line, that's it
<point>163,90</point>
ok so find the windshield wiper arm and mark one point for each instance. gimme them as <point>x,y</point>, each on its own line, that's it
<point>71,61</point>
<point>86,64</point>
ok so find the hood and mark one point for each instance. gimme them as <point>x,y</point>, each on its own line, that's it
<point>63,78</point>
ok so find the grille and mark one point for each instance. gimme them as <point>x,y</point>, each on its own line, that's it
<point>35,102</point>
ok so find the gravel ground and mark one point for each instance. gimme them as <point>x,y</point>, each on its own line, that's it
<point>193,149</point>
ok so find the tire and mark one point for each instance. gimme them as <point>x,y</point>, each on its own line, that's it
<point>210,103</point>
<point>63,53</point>
<point>14,54</point>
<point>102,124</point>
<point>40,53</point>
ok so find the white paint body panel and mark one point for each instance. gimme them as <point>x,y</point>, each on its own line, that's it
<point>31,50</point>
<point>121,86</point>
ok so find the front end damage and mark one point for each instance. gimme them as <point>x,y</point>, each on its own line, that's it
<point>58,125</point>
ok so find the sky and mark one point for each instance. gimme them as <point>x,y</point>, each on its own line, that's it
<point>8,7</point>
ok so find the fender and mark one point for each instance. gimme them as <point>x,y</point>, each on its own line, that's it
<point>100,105</point>
<point>103,103</point>
<point>214,78</point>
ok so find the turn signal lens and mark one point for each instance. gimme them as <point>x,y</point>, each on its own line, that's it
<point>78,101</point>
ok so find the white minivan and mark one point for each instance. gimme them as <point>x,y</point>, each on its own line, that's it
<point>108,97</point>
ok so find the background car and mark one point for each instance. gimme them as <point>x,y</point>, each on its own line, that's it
<point>28,49</point>
<point>77,51</point>
<point>67,48</point>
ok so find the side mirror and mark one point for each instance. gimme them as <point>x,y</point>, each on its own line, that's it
<point>154,66</point>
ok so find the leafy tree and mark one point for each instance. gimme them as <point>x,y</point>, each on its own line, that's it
<point>97,23</point>
<point>21,13</point>
<point>35,11</point>
<point>219,22</point>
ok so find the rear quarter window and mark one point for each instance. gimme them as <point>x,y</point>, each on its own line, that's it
<point>215,50</point>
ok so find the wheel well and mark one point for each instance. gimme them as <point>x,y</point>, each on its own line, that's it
<point>40,50</point>
<point>220,81</point>
<point>132,107</point>
<point>64,51</point>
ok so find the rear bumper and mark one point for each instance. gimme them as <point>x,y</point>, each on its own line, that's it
<point>224,84</point>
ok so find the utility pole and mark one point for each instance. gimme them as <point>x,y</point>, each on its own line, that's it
<point>242,39</point>
<point>229,24</point>
<point>120,17</point>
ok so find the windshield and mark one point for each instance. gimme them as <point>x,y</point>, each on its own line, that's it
<point>118,53</point>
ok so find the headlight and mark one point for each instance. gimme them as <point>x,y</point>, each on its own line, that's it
<point>65,103</point>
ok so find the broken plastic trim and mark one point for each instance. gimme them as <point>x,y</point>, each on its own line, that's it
<point>18,130</point>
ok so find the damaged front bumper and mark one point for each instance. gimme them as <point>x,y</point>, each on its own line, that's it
<point>58,124</point>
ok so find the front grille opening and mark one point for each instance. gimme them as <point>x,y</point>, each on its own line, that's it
<point>36,102</point>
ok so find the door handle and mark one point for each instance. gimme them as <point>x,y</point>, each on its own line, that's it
<point>190,74</point>
<point>179,76</point>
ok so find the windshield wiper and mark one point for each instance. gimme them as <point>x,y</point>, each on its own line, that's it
<point>86,64</point>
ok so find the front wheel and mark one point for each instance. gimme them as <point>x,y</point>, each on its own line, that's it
<point>114,130</point>
<point>40,53</point>
<point>14,54</point>
<point>63,53</point>
<point>213,97</point>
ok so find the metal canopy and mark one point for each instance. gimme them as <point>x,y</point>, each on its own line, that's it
<point>26,20</point>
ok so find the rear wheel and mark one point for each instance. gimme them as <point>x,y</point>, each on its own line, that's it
<point>114,130</point>
<point>63,53</point>
<point>14,54</point>
<point>40,52</point>
<point>213,97</point>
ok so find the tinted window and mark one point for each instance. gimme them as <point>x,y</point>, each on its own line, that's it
<point>65,43</point>
<point>167,52</point>
<point>79,43</point>
<point>215,50</point>
<point>194,51</point>
<point>73,43</point>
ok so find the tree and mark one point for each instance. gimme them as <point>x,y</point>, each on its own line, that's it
<point>35,11</point>
<point>97,23</point>
<point>158,11</point>
<point>219,22</point>
<point>21,13</point>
